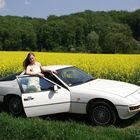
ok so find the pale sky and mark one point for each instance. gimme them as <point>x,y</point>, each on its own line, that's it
<point>44,8</point>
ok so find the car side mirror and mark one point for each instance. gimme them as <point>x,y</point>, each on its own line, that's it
<point>55,88</point>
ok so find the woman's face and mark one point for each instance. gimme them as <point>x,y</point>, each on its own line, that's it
<point>32,59</point>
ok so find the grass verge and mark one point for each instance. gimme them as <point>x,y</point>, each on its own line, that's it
<point>20,128</point>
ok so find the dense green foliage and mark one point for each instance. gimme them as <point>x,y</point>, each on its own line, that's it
<point>88,31</point>
<point>55,129</point>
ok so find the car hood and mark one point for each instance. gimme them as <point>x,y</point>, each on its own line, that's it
<point>122,89</point>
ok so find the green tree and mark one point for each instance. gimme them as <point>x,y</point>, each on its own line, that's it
<point>93,43</point>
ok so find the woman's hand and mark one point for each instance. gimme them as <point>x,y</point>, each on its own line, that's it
<point>53,72</point>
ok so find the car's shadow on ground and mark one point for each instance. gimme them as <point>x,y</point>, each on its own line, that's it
<point>68,117</point>
<point>1,108</point>
<point>84,119</point>
<point>128,122</point>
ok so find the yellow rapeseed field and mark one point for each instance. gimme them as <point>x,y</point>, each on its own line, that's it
<point>109,66</point>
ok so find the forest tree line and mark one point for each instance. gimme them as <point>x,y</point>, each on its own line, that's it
<point>88,31</point>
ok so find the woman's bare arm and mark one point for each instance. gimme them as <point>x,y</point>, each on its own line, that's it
<point>30,72</point>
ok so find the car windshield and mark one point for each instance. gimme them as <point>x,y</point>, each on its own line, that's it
<point>73,76</point>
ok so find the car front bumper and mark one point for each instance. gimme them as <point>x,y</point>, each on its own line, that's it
<point>124,112</point>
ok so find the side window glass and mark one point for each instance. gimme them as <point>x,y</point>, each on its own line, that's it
<point>45,85</point>
<point>54,79</point>
<point>34,84</point>
<point>30,84</point>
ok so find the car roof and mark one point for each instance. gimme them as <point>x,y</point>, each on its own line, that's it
<point>56,67</point>
<point>10,77</point>
<point>50,67</point>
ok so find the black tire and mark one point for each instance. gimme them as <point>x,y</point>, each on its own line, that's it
<point>15,106</point>
<point>102,113</point>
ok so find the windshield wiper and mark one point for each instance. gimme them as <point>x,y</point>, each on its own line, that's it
<point>81,82</point>
<point>89,80</point>
<point>77,83</point>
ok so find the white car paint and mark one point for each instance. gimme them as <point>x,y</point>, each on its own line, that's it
<point>46,102</point>
<point>121,94</point>
<point>74,99</point>
<point>83,93</point>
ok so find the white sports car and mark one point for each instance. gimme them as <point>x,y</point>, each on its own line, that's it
<point>70,90</point>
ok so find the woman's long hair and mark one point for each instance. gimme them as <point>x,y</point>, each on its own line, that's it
<point>26,62</point>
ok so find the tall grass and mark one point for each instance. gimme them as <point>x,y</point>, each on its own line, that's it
<point>48,129</point>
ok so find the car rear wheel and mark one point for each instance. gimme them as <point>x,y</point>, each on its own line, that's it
<point>102,113</point>
<point>15,106</point>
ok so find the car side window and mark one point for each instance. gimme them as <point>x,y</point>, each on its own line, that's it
<point>45,85</point>
<point>34,84</point>
<point>54,79</point>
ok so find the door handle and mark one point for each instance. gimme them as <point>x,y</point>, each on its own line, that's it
<point>28,98</point>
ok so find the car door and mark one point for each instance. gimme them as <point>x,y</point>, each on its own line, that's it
<point>40,96</point>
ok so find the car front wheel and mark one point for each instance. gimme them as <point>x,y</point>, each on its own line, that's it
<point>102,113</point>
<point>15,106</point>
